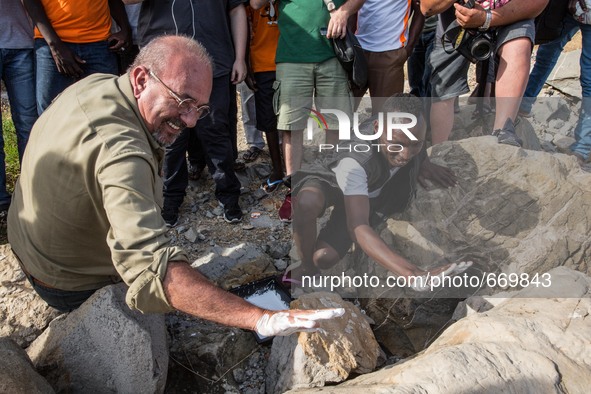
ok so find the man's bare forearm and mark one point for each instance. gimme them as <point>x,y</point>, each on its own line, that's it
<point>190,292</point>
<point>517,10</point>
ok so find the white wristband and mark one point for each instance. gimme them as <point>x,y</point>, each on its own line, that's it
<point>487,21</point>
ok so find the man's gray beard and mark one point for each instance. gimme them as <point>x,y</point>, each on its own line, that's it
<point>156,136</point>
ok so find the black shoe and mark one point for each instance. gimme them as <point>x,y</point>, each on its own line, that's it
<point>507,135</point>
<point>170,216</point>
<point>232,213</point>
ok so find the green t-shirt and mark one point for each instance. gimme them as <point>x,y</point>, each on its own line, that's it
<point>300,40</point>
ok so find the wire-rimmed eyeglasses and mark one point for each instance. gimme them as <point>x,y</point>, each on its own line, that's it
<point>186,106</point>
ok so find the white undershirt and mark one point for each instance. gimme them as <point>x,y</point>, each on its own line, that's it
<point>352,178</point>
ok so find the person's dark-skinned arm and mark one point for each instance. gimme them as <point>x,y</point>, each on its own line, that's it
<point>121,39</point>
<point>416,27</point>
<point>189,291</point>
<point>439,175</point>
<point>66,60</point>
<point>514,11</point>
<point>357,210</point>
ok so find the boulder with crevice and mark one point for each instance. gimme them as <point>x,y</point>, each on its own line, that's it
<point>103,346</point>
<point>345,346</point>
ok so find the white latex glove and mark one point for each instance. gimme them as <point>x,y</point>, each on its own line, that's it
<point>283,323</point>
<point>454,269</point>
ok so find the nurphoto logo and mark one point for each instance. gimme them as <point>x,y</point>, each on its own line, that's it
<point>389,121</point>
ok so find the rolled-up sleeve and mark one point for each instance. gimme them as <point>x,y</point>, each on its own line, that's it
<point>131,196</point>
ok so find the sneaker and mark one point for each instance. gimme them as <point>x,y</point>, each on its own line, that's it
<point>507,135</point>
<point>285,210</point>
<point>171,217</point>
<point>232,213</point>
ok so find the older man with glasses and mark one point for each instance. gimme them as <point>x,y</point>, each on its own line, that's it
<point>87,207</point>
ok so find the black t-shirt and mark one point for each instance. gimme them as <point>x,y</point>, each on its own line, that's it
<point>207,21</point>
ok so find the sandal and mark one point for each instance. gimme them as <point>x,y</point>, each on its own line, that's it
<point>252,154</point>
<point>271,186</point>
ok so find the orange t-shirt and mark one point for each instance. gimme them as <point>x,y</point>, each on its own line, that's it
<point>79,21</point>
<point>263,37</point>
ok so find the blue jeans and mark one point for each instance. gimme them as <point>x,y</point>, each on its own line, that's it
<point>254,137</point>
<point>582,146</point>
<point>419,69</point>
<point>209,142</point>
<point>546,59</point>
<point>17,69</point>
<point>50,82</point>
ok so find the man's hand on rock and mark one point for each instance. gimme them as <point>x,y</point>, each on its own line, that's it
<point>441,176</point>
<point>425,282</point>
<point>283,323</point>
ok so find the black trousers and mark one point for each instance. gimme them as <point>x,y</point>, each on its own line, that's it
<point>209,142</point>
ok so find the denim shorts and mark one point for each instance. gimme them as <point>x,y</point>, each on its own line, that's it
<point>299,85</point>
<point>449,76</point>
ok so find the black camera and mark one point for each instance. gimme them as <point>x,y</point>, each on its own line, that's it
<point>473,44</point>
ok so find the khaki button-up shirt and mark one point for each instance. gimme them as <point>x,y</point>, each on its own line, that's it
<point>86,210</point>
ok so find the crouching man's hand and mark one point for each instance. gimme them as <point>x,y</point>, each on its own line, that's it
<point>283,323</point>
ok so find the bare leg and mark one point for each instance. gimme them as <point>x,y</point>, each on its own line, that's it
<point>332,137</point>
<point>442,120</point>
<point>511,79</point>
<point>293,142</point>
<point>275,153</point>
<point>307,209</point>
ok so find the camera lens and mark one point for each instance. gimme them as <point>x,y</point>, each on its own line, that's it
<point>481,48</point>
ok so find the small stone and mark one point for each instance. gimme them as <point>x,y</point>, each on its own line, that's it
<point>278,250</point>
<point>247,227</point>
<point>254,360</point>
<point>238,374</point>
<point>209,215</point>
<point>563,143</point>
<point>218,211</point>
<point>268,205</point>
<point>548,146</point>
<point>191,235</point>
<point>280,264</point>
<point>259,194</point>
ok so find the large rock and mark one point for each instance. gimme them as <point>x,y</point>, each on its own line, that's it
<point>514,211</point>
<point>523,345</point>
<point>24,315</point>
<point>313,359</point>
<point>17,375</point>
<point>205,354</point>
<point>236,265</point>
<point>103,346</point>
